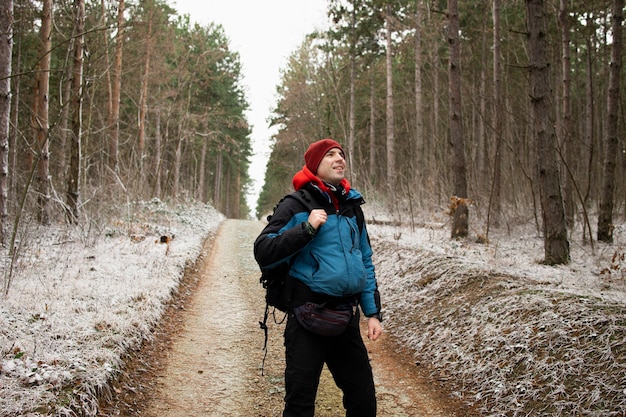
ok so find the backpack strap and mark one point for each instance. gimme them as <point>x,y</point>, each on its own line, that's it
<point>360,217</point>
<point>305,197</point>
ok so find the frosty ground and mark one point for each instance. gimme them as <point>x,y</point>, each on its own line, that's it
<point>503,331</point>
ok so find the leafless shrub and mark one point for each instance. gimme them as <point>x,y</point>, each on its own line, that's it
<point>617,265</point>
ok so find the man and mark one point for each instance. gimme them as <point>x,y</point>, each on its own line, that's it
<point>331,273</point>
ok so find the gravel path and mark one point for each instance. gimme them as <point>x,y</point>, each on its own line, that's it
<point>206,359</point>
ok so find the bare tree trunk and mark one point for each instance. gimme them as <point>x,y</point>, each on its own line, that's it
<point>157,157</point>
<point>372,141</point>
<point>391,139</point>
<point>434,144</point>
<point>201,194</point>
<point>177,164</point>
<point>114,117</point>
<point>556,245</point>
<point>217,185</point>
<point>351,110</point>
<point>143,105</point>
<point>59,161</point>
<point>622,154</point>
<point>566,128</point>
<point>498,115</point>
<point>41,116</point>
<point>105,34</point>
<point>480,148</point>
<point>460,227</point>
<point>76,104</point>
<point>589,120</point>
<point>6,50</point>
<point>419,104</point>
<point>236,190</point>
<point>611,143</point>
<point>15,118</point>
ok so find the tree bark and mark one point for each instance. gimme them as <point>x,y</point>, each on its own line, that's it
<point>6,50</point>
<point>143,105</point>
<point>41,116</point>
<point>419,103</point>
<point>480,154</point>
<point>217,180</point>
<point>177,164</point>
<point>391,139</point>
<point>352,104</point>
<point>59,162</point>
<point>201,192</point>
<point>566,128</point>
<point>460,224</point>
<point>107,59</point>
<point>73,179</point>
<point>589,119</point>
<point>372,134</point>
<point>556,245</point>
<point>498,115</point>
<point>114,117</point>
<point>436,119</point>
<point>611,142</point>
<point>157,157</point>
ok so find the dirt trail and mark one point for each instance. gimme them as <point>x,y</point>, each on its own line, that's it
<point>208,357</point>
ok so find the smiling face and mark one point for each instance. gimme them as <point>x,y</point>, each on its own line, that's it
<point>332,169</point>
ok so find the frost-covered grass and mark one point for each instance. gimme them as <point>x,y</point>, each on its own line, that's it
<point>510,335</point>
<point>77,303</point>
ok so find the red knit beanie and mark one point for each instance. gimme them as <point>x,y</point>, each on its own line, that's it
<point>316,152</point>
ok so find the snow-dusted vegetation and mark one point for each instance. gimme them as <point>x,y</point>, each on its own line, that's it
<point>78,301</point>
<point>511,335</point>
<point>507,333</point>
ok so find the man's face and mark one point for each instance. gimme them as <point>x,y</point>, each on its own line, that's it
<point>332,169</point>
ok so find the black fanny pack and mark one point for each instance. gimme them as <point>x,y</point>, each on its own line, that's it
<point>325,321</point>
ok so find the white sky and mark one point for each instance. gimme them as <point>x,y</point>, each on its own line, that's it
<point>265,33</point>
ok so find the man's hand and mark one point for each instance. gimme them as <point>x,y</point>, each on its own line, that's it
<point>374,328</point>
<point>317,217</point>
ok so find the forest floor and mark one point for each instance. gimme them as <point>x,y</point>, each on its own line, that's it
<point>97,319</point>
<point>206,354</point>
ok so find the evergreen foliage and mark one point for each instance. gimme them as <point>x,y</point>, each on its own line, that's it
<point>314,102</point>
<point>197,138</point>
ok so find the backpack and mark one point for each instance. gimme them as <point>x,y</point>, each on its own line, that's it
<point>275,281</point>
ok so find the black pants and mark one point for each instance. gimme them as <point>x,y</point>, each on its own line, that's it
<point>347,360</point>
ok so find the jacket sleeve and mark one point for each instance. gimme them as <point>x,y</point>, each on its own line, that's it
<point>284,236</point>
